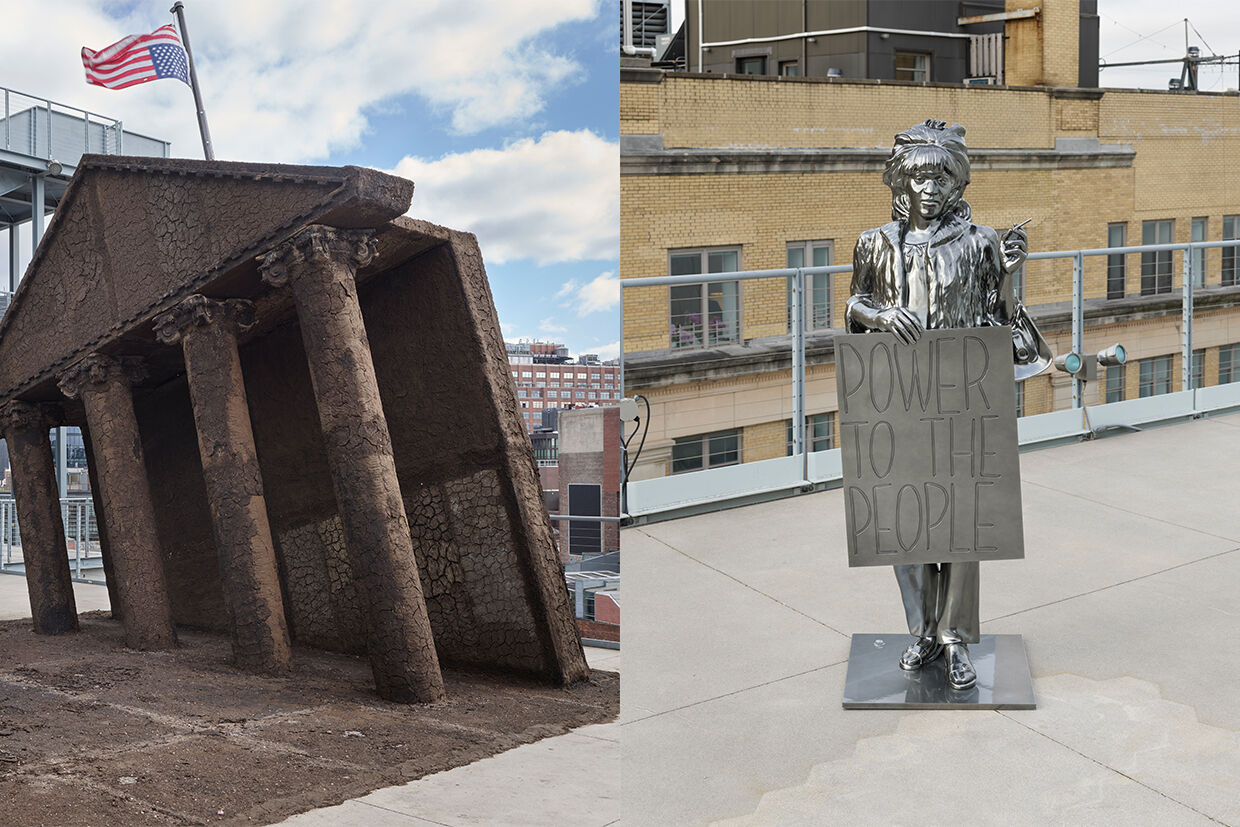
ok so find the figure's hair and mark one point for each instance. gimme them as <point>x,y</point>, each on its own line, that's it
<point>935,146</point>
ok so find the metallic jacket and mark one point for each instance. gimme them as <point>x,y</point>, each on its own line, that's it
<point>967,285</point>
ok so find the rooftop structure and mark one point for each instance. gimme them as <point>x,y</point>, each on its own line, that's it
<point>979,41</point>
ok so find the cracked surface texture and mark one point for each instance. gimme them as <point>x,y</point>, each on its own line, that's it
<point>433,467</point>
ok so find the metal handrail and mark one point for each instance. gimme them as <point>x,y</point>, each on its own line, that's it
<point>77,516</point>
<point>798,274</point>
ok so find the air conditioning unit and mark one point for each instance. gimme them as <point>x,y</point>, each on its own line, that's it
<point>980,81</point>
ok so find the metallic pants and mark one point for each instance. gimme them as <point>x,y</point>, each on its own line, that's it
<point>940,600</point>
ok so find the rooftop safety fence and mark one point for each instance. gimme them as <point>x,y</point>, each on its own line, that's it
<point>81,539</point>
<point>1165,302</point>
<point>41,128</point>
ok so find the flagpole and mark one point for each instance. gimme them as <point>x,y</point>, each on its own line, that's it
<point>178,8</point>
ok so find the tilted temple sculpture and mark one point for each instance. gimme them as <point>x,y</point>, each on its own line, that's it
<point>299,424</point>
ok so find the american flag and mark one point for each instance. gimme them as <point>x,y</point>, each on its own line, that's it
<point>138,58</point>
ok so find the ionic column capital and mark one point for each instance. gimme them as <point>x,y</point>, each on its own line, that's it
<point>198,311</point>
<point>98,369</point>
<point>316,245</point>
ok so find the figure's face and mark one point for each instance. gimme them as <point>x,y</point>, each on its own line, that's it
<point>928,192</point>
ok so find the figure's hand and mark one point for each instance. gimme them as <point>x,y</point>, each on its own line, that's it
<point>900,321</point>
<point>1015,249</point>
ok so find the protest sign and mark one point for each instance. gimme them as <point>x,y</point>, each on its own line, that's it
<point>929,447</point>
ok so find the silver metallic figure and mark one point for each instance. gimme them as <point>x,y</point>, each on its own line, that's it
<point>930,268</point>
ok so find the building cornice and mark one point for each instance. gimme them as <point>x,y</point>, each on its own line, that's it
<point>642,155</point>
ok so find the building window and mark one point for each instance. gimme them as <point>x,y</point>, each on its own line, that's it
<point>755,65</point>
<point>912,66</point>
<point>1199,368</point>
<point>1117,236</point>
<point>1155,376</point>
<point>525,374</point>
<point>818,287</point>
<point>1231,231</point>
<point>705,314</point>
<point>1229,364</point>
<point>819,432</point>
<point>1156,266</point>
<point>1115,383</point>
<point>790,68</point>
<point>1199,255</point>
<point>695,453</point>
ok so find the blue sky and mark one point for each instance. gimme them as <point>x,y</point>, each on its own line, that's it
<point>503,113</point>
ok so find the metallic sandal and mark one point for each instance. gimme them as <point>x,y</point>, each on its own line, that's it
<point>921,651</point>
<point>960,671</point>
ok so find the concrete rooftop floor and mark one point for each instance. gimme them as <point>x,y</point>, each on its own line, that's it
<point>737,627</point>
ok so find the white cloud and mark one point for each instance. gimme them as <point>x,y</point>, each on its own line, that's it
<point>602,293</point>
<point>606,352</point>
<point>548,325</point>
<point>553,199</point>
<point>291,80</point>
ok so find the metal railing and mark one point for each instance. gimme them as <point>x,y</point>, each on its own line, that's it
<point>81,538</point>
<point>1030,431</point>
<point>42,128</point>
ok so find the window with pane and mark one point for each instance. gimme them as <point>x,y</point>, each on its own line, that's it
<point>819,432</point>
<point>1156,266</point>
<point>696,453</point>
<point>1020,399</point>
<point>751,65</point>
<point>818,287</point>
<point>1117,236</point>
<point>1155,376</point>
<point>705,314</point>
<point>1199,256</point>
<point>1115,383</point>
<point>790,68</point>
<point>1199,368</point>
<point>1228,364</point>
<point>912,66</point>
<point>1231,231</point>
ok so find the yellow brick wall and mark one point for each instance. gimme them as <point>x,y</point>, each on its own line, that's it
<point>1177,174</point>
<point>639,108</point>
<point>766,440</point>
<point>699,111</point>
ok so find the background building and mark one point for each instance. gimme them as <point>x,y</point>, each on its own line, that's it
<point>936,41</point>
<point>547,377</point>
<point>720,174</point>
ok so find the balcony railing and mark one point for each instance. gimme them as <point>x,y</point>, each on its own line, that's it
<point>805,469</point>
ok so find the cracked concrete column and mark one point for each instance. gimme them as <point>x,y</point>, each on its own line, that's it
<point>320,264</point>
<point>38,514</point>
<point>207,331</point>
<point>102,383</point>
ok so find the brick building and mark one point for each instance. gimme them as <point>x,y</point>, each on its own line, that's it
<point>589,479</point>
<point>547,377</point>
<point>722,173</point>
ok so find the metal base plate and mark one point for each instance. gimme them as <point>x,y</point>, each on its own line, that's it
<point>876,681</point>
